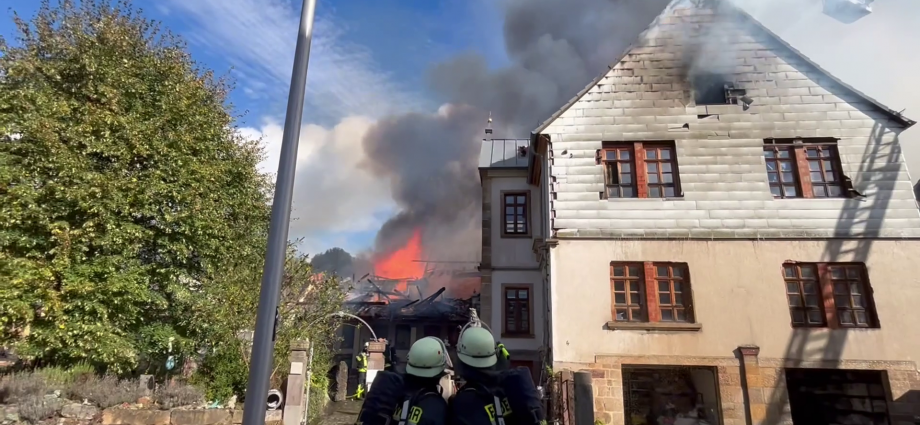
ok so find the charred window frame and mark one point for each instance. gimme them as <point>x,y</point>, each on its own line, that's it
<point>515,214</point>
<point>619,173</point>
<point>651,292</point>
<point>517,310</point>
<point>804,168</point>
<point>640,170</point>
<point>834,295</point>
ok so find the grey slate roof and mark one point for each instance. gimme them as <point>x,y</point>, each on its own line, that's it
<point>726,6</point>
<point>504,153</point>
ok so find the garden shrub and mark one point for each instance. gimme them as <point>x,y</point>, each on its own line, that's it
<point>21,386</point>
<point>35,409</point>
<point>106,391</point>
<point>177,395</point>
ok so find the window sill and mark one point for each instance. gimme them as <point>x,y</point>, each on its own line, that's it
<point>633,326</point>
<point>517,336</point>
<point>516,236</point>
<point>672,198</point>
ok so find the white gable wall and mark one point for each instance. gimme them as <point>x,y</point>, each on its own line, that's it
<point>721,166</point>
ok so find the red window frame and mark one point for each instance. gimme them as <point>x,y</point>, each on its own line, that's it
<point>640,170</point>
<point>804,168</point>
<point>651,292</point>
<point>844,292</point>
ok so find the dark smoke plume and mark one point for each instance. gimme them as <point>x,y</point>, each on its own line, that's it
<point>556,47</point>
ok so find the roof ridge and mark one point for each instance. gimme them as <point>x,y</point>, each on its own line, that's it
<point>722,5</point>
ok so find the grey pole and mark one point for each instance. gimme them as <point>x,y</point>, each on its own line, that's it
<point>264,335</point>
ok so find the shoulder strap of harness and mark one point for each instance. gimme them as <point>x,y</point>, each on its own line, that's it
<point>411,400</point>
<point>481,389</point>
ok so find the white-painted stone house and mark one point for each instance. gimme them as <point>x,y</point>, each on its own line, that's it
<point>718,202</point>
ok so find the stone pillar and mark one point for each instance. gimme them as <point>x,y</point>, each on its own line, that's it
<point>753,384</point>
<point>341,382</point>
<point>294,396</point>
<point>375,361</point>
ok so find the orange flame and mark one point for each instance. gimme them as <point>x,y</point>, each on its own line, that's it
<point>402,264</point>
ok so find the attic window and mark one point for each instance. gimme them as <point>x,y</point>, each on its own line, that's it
<point>710,89</point>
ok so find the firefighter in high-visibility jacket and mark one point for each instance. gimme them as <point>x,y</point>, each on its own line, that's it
<point>361,363</point>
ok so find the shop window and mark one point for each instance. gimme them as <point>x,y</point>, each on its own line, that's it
<point>670,395</point>
<point>834,396</point>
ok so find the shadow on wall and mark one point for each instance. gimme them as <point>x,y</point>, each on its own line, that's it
<point>823,348</point>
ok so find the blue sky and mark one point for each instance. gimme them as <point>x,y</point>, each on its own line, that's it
<point>369,59</point>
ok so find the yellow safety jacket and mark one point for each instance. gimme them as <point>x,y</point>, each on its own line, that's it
<point>362,362</point>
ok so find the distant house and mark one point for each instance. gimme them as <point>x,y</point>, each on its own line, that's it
<point>713,222</point>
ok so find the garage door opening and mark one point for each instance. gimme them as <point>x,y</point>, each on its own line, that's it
<point>682,395</point>
<point>833,396</point>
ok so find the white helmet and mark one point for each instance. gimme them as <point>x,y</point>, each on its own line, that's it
<point>476,348</point>
<point>427,358</point>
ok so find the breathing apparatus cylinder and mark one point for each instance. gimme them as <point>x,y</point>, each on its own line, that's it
<point>380,402</point>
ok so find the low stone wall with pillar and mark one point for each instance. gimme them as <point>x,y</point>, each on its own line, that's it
<point>295,392</point>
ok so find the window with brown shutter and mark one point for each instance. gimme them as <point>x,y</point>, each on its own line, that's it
<point>804,168</point>
<point>836,295</point>
<point>640,170</point>
<point>517,311</point>
<point>650,292</point>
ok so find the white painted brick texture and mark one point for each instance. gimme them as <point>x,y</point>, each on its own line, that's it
<point>721,167</point>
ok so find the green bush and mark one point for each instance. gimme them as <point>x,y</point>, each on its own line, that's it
<point>106,391</point>
<point>60,378</point>
<point>223,374</point>
<point>22,386</point>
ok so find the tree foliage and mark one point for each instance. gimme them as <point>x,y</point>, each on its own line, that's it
<point>125,190</point>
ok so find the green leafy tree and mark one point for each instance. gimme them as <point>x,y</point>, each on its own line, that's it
<point>308,301</point>
<point>125,188</point>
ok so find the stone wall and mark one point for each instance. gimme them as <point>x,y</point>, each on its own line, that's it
<point>80,414</point>
<point>760,381</point>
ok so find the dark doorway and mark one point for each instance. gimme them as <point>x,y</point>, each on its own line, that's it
<point>834,396</point>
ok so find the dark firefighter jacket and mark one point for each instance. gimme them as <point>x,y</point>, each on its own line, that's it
<point>425,407</point>
<point>474,404</point>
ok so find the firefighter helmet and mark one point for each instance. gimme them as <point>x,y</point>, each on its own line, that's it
<point>476,348</point>
<point>427,358</point>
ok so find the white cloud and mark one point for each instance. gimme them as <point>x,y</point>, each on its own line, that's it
<point>258,37</point>
<point>331,193</point>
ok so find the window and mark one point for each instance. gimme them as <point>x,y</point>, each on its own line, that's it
<point>804,168</point>
<point>709,89</point>
<point>348,336</point>
<point>640,170</point>
<point>517,310</point>
<point>804,297</point>
<point>658,163</point>
<point>403,337</point>
<point>628,292</point>
<point>834,295</point>
<point>516,210</point>
<point>671,302</point>
<point>620,181</point>
<point>668,284</point>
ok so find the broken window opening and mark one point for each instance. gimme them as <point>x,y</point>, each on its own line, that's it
<point>710,89</point>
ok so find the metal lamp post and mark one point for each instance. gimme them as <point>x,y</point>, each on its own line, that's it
<point>264,333</point>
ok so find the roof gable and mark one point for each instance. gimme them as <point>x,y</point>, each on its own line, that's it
<point>686,13</point>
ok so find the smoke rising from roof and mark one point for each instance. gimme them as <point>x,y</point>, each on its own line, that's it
<point>556,48</point>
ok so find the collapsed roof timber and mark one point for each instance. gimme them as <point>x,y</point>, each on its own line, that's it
<point>382,302</point>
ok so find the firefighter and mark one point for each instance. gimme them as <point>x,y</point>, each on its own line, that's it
<point>423,402</point>
<point>390,359</point>
<point>361,359</point>
<point>504,358</point>
<point>492,394</point>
